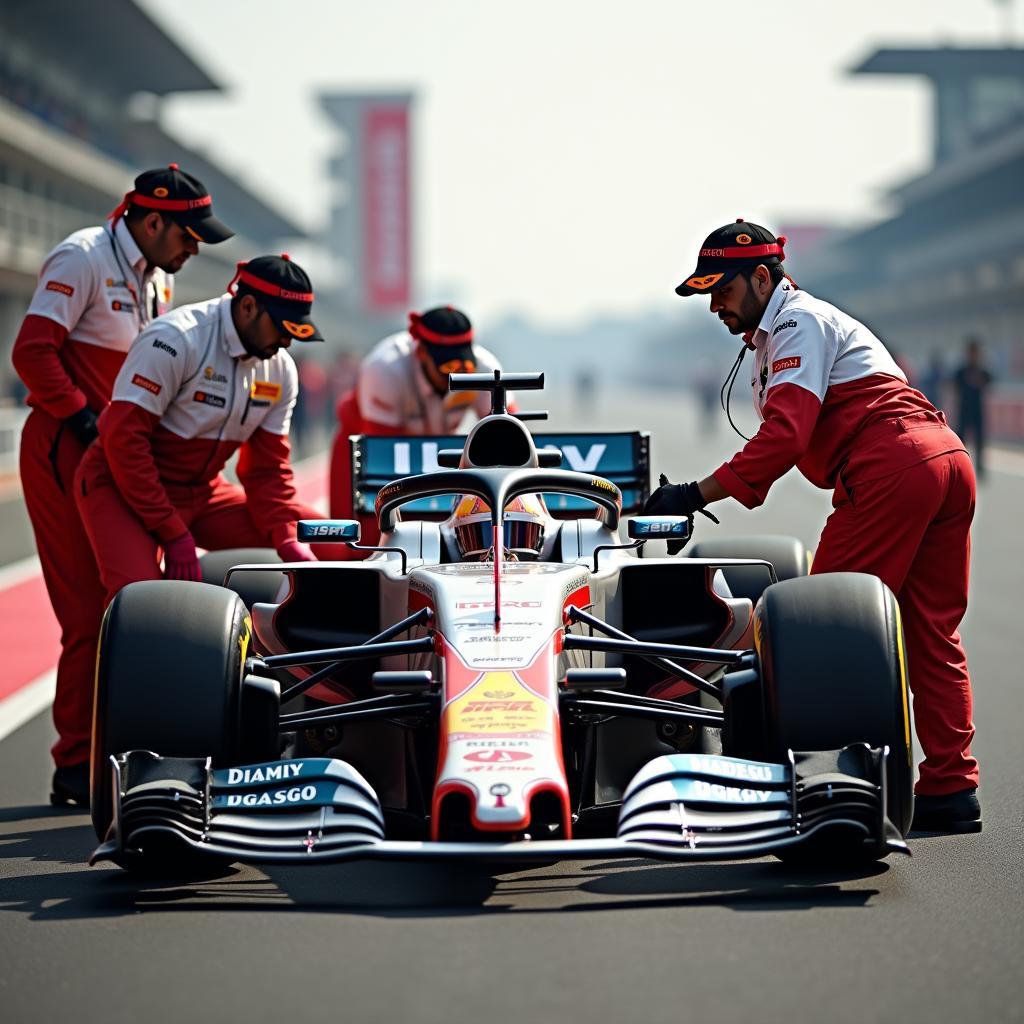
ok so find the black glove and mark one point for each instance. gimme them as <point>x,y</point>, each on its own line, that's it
<point>675,500</point>
<point>83,425</point>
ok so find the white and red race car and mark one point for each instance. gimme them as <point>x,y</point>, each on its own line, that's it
<point>531,696</point>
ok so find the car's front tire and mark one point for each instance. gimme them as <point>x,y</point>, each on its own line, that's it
<point>168,678</point>
<point>833,672</point>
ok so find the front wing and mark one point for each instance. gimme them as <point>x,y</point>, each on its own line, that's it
<point>680,807</point>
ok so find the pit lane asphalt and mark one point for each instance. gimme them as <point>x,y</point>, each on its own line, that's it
<point>935,937</point>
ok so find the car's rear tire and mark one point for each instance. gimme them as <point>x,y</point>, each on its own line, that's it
<point>833,672</point>
<point>251,587</point>
<point>787,555</point>
<point>168,678</point>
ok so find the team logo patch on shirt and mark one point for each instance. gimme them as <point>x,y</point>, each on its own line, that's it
<point>146,384</point>
<point>60,286</point>
<point>207,399</point>
<point>792,363</point>
<point>210,374</point>
<point>122,307</point>
<point>265,389</point>
<point>784,326</point>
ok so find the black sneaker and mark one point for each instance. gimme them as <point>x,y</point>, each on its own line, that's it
<point>71,785</point>
<point>953,812</point>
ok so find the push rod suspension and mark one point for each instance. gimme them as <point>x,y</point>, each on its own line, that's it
<point>394,705</point>
<point>420,618</point>
<point>634,646</point>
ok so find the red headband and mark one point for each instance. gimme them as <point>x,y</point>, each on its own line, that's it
<point>244,277</point>
<point>740,252</point>
<point>417,330</point>
<point>151,203</point>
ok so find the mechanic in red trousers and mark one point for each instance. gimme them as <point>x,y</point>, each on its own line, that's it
<point>402,389</point>
<point>96,291</point>
<point>199,384</point>
<point>834,404</point>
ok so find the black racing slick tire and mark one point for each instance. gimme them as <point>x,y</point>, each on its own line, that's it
<point>168,678</point>
<point>787,555</point>
<point>251,587</point>
<point>833,670</point>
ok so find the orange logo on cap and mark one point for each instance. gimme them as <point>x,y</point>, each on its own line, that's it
<point>160,192</point>
<point>703,282</point>
<point>298,330</point>
<point>743,239</point>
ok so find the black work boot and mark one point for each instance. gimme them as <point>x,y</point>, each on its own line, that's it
<point>953,812</point>
<point>71,785</point>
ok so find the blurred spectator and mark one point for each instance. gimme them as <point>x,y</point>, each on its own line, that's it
<point>706,389</point>
<point>310,412</point>
<point>972,380</point>
<point>933,382</point>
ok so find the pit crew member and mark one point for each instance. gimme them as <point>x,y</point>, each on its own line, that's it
<point>198,385</point>
<point>97,289</point>
<point>834,404</point>
<point>402,389</point>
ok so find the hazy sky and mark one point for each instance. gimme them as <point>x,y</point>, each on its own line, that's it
<point>570,155</point>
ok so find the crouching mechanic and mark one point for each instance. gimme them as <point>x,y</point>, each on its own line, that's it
<point>402,389</point>
<point>834,404</point>
<point>199,384</point>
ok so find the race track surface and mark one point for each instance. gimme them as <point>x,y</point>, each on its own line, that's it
<point>935,937</point>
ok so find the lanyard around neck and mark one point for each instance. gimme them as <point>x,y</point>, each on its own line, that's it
<point>125,267</point>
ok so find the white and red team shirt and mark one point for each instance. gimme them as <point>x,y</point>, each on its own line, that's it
<point>93,296</point>
<point>186,399</point>
<point>393,391</point>
<point>832,401</point>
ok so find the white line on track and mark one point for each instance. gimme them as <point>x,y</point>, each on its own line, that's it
<point>17,572</point>
<point>27,702</point>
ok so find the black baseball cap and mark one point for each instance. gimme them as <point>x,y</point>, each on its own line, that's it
<point>283,288</point>
<point>446,333</point>
<point>179,197</point>
<point>729,250</point>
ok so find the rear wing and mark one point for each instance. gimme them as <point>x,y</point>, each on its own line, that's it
<point>622,458</point>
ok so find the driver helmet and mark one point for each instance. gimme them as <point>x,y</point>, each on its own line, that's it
<point>524,521</point>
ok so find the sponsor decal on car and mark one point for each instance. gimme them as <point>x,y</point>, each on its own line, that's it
<point>504,604</point>
<point>499,703</point>
<point>146,384</point>
<point>498,755</point>
<point>207,399</point>
<point>790,363</point>
<point>273,797</point>
<point>264,773</point>
<point>60,286</point>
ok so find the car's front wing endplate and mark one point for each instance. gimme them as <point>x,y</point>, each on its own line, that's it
<point>681,807</point>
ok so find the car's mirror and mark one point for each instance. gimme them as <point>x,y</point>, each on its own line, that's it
<point>328,531</point>
<point>449,458</point>
<point>659,528</point>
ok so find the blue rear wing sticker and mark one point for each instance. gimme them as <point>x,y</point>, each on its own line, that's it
<point>622,458</point>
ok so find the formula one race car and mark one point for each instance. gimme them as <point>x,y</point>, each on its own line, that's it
<point>504,685</point>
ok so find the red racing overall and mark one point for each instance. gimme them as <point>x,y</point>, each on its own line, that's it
<point>94,295</point>
<point>835,405</point>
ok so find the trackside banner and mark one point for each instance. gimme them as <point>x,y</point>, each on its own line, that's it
<point>387,258</point>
